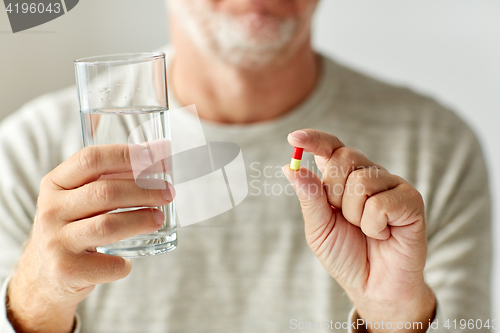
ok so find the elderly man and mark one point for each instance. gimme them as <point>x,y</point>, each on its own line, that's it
<point>249,67</point>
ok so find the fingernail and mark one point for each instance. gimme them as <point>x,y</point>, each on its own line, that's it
<point>299,135</point>
<point>147,157</point>
<point>159,217</point>
<point>169,192</point>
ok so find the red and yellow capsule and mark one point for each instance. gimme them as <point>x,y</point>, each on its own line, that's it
<point>296,157</point>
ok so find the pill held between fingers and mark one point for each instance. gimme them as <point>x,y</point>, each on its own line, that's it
<point>296,157</point>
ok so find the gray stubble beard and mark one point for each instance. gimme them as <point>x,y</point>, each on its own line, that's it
<point>221,36</point>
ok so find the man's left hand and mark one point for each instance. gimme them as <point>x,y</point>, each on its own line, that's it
<point>367,228</point>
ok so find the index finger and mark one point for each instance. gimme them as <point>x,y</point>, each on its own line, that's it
<point>316,142</point>
<point>90,163</point>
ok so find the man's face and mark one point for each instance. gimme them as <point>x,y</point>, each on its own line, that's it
<point>246,33</point>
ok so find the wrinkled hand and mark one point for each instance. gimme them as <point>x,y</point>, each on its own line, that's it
<point>60,265</point>
<point>367,228</point>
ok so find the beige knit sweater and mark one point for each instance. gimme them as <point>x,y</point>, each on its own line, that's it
<point>249,269</point>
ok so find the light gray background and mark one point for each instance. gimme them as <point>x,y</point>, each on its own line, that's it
<point>449,49</point>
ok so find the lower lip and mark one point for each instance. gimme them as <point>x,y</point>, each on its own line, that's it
<point>257,19</point>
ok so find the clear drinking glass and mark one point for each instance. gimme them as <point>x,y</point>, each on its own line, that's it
<point>123,100</point>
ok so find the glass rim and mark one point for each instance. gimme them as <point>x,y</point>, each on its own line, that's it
<point>119,59</point>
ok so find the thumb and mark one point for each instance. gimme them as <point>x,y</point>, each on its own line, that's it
<point>312,196</point>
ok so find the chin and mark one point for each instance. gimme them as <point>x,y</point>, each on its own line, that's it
<point>253,41</point>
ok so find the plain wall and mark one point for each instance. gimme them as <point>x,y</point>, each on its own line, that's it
<point>40,60</point>
<point>449,49</point>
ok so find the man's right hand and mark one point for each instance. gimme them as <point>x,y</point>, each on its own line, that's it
<point>60,265</point>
